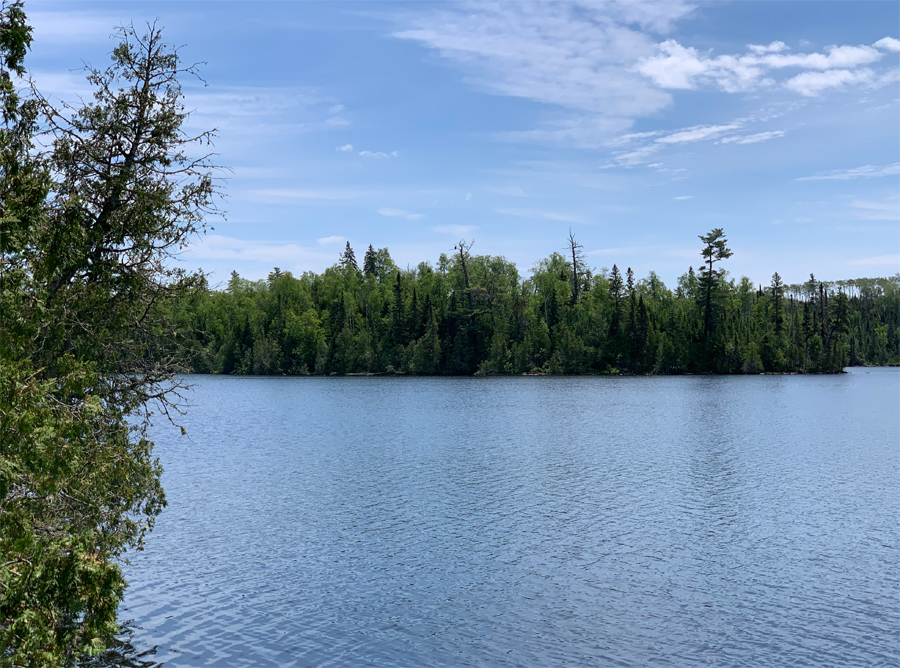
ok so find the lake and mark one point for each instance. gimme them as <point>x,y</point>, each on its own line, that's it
<point>540,521</point>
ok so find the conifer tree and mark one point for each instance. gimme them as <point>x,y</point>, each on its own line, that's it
<point>714,250</point>
<point>86,269</point>
<point>348,258</point>
<point>369,263</point>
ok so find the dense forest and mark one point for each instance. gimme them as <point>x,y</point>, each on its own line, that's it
<point>474,314</point>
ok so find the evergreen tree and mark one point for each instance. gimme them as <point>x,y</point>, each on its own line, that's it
<point>88,340</point>
<point>777,288</point>
<point>714,250</point>
<point>369,263</point>
<point>348,258</point>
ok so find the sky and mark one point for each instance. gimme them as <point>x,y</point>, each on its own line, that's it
<point>636,125</point>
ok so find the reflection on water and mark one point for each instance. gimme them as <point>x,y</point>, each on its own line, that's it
<point>121,653</point>
<point>527,521</point>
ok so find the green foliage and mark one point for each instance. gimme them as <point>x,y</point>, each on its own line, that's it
<point>85,295</point>
<point>474,314</point>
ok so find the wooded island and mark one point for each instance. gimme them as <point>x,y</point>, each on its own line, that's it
<point>474,314</point>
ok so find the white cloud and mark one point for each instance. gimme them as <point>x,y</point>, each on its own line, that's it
<point>642,154</point>
<point>583,131</point>
<point>697,133</point>
<point>773,47</point>
<point>456,230</point>
<point>636,157</point>
<point>399,213</point>
<point>811,84</point>
<point>346,148</point>
<point>336,109</point>
<point>370,154</point>
<point>676,66</point>
<point>888,44</point>
<point>753,139</point>
<point>327,241</point>
<point>576,56</point>
<point>864,172</point>
<point>683,197</point>
<point>626,139</point>
<point>838,57</point>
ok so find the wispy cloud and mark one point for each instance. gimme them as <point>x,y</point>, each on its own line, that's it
<point>753,139</point>
<point>346,148</point>
<point>328,241</point>
<point>283,194</point>
<point>543,215</point>
<point>636,157</point>
<point>866,210</point>
<point>577,57</point>
<point>378,154</point>
<point>683,197</point>
<point>660,139</point>
<point>509,191</point>
<point>864,172</point>
<point>697,133</point>
<point>60,28</point>
<point>399,213</point>
<point>625,250</point>
<point>878,261</point>
<point>217,247</point>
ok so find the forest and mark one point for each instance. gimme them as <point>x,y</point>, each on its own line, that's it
<point>475,315</point>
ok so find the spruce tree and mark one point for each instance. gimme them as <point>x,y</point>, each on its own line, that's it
<point>369,263</point>
<point>348,258</point>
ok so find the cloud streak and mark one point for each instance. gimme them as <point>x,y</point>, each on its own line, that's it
<point>754,138</point>
<point>864,172</point>
<point>577,57</point>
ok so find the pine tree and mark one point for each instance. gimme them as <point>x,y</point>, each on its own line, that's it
<point>714,250</point>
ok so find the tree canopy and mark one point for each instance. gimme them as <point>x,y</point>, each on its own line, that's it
<point>473,314</point>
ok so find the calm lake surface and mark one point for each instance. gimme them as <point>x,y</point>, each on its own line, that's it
<point>678,521</point>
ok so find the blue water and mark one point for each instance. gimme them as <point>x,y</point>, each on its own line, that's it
<point>668,521</point>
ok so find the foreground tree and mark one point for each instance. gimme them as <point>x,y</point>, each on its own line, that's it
<point>89,228</point>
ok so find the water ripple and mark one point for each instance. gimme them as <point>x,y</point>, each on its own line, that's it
<point>697,521</point>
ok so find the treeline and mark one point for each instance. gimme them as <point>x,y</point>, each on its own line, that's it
<point>474,314</point>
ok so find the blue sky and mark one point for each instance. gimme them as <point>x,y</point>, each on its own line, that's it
<point>639,125</point>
